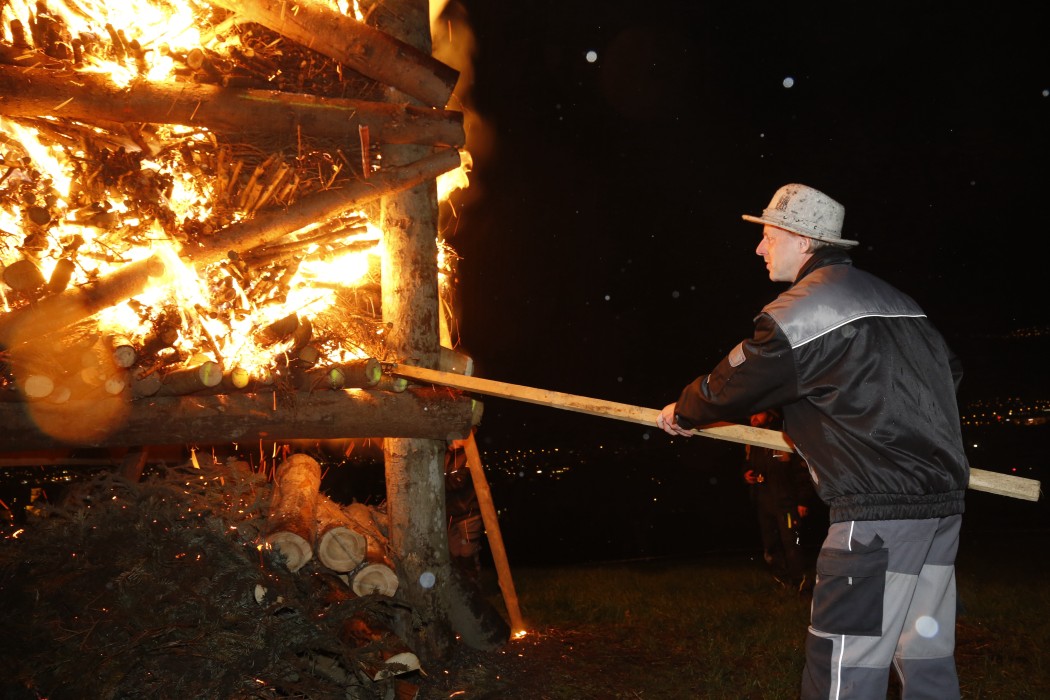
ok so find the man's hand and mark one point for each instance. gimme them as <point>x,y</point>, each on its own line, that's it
<point>666,422</point>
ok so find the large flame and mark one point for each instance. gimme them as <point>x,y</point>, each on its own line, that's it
<point>221,307</point>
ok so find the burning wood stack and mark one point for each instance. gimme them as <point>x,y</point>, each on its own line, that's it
<point>186,228</point>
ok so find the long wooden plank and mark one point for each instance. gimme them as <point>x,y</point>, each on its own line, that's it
<point>980,479</point>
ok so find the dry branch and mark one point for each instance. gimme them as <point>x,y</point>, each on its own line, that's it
<point>94,98</point>
<point>367,50</point>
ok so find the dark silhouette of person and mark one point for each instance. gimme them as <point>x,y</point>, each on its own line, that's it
<point>782,494</point>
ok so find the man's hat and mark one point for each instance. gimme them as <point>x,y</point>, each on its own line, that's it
<point>807,212</point>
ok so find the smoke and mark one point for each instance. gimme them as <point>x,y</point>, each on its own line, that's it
<point>454,44</point>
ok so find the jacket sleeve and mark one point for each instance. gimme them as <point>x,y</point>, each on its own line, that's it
<point>758,373</point>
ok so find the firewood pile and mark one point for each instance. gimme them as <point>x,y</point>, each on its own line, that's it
<point>196,232</point>
<point>165,588</point>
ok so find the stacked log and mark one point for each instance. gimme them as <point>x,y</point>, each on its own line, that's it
<point>348,541</point>
<point>339,547</point>
<point>293,509</point>
<point>351,541</point>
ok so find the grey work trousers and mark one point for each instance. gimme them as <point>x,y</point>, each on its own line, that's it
<point>884,593</point>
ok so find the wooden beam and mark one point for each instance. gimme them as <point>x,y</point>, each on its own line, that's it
<point>93,98</point>
<point>227,418</point>
<point>980,480</point>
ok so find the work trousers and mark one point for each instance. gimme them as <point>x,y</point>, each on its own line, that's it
<point>885,594</point>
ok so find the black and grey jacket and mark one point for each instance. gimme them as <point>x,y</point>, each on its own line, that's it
<point>867,388</point>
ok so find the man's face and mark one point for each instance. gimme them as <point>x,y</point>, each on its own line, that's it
<point>784,253</point>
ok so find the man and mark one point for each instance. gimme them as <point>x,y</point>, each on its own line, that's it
<point>781,492</point>
<point>867,389</point>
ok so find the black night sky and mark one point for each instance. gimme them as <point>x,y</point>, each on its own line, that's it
<point>602,249</point>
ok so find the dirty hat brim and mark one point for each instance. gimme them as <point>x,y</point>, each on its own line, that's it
<point>787,226</point>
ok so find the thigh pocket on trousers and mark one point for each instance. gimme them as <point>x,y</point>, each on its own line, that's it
<point>848,595</point>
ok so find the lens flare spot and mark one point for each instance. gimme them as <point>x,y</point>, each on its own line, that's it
<point>927,627</point>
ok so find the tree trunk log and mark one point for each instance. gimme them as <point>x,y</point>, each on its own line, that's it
<point>61,310</point>
<point>93,98</point>
<point>477,622</point>
<point>222,419</point>
<point>415,475</point>
<point>293,509</point>
<point>367,50</point>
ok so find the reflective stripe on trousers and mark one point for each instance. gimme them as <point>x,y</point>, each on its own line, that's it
<point>884,594</point>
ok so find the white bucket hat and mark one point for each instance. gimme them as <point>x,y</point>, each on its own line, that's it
<point>807,212</point>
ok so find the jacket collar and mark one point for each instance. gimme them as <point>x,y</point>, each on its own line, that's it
<point>823,258</point>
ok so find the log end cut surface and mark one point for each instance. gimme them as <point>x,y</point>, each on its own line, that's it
<point>375,578</point>
<point>341,549</point>
<point>295,549</point>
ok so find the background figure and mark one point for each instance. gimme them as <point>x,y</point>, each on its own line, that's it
<point>782,494</point>
<point>465,527</point>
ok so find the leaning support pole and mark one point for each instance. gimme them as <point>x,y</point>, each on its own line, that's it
<point>980,479</point>
<point>492,532</point>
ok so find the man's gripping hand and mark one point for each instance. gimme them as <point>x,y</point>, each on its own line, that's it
<point>667,422</point>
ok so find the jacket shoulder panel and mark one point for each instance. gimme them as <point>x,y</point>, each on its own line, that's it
<point>833,296</point>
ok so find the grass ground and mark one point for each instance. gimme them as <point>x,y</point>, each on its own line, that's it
<point>717,627</point>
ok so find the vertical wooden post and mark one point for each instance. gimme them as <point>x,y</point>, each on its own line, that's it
<point>414,468</point>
